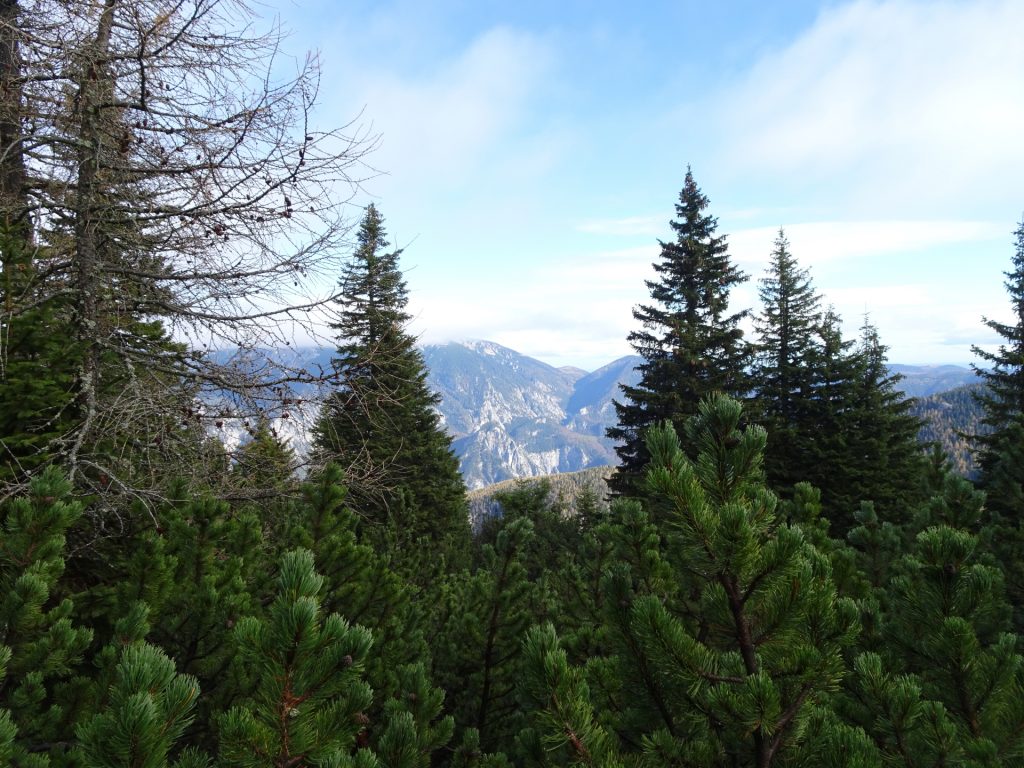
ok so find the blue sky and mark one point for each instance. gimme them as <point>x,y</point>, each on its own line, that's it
<point>530,155</point>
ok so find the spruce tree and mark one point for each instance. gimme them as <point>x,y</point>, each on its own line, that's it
<point>884,461</point>
<point>690,343</point>
<point>783,370</point>
<point>861,443</point>
<point>266,463</point>
<point>1003,396</point>
<point>380,422</point>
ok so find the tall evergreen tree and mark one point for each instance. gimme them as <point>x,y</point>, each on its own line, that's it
<point>1001,446</point>
<point>267,462</point>
<point>381,422</point>
<point>860,442</point>
<point>883,459</point>
<point>783,373</point>
<point>1003,396</point>
<point>690,343</point>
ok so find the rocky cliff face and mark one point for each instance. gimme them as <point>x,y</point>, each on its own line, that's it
<point>513,416</point>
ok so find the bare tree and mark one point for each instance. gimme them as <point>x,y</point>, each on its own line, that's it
<point>174,197</point>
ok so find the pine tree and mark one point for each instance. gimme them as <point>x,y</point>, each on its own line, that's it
<point>1003,396</point>
<point>565,729</point>
<point>480,625</point>
<point>414,728</point>
<point>741,676</point>
<point>380,422</point>
<point>215,559</point>
<point>360,582</point>
<point>691,345</point>
<point>149,706</point>
<point>783,370</point>
<point>40,646</point>
<point>949,624</point>
<point>310,698</point>
<point>908,729</point>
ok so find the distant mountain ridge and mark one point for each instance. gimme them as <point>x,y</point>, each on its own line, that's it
<point>925,380</point>
<point>513,416</point>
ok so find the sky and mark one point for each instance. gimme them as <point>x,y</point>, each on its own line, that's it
<point>530,155</point>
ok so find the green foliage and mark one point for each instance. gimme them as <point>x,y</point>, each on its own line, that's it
<point>861,444</point>
<point>213,556</point>
<point>413,726</point>
<point>565,729</point>
<point>37,391</point>
<point>947,625</point>
<point>728,635</point>
<point>149,706</point>
<point>380,421</point>
<point>39,644</point>
<point>1002,399</point>
<point>309,699</point>
<point>690,343</point>
<point>359,581</point>
<point>907,729</point>
<point>266,463</point>
<point>783,371</point>
<point>480,624</point>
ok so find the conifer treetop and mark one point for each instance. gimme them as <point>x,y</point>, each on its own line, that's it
<point>690,343</point>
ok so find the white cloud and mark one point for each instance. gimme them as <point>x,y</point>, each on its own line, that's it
<point>578,311</point>
<point>569,312</point>
<point>438,126</point>
<point>913,102</point>
<point>820,242</point>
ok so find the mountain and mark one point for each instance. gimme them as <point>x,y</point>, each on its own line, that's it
<point>513,416</point>
<point>924,380</point>
<point>590,407</point>
<point>948,417</point>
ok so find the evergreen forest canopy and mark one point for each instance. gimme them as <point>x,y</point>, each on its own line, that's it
<point>782,578</point>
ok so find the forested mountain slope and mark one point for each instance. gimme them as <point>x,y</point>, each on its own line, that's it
<point>949,417</point>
